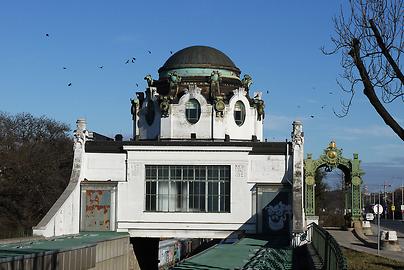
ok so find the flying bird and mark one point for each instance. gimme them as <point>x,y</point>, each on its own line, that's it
<point>137,85</point>
<point>133,59</point>
<point>330,93</point>
<point>171,52</point>
<point>127,61</point>
<point>149,52</point>
<point>322,107</point>
<point>267,91</point>
<point>70,84</point>
<point>47,35</point>
<point>312,116</point>
<point>101,67</point>
<point>64,67</point>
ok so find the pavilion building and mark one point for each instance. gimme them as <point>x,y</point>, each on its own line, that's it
<point>197,165</point>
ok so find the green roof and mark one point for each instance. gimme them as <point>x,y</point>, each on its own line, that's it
<point>248,253</point>
<point>199,57</point>
<point>56,244</point>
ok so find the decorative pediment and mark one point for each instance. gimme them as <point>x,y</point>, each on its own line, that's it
<point>193,91</point>
<point>240,92</point>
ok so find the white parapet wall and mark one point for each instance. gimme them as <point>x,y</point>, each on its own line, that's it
<point>64,216</point>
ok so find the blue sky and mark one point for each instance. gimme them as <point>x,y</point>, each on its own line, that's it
<point>276,42</point>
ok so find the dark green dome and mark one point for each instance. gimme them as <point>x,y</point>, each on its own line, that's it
<point>199,57</point>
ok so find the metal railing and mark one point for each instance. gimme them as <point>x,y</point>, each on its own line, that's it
<point>326,247</point>
<point>20,233</point>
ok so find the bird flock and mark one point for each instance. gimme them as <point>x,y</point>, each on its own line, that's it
<point>130,60</point>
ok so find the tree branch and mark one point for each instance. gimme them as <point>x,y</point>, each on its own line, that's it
<point>386,52</point>
<point>369,91</point>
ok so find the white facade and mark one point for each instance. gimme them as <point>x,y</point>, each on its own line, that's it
<point>120,168</point>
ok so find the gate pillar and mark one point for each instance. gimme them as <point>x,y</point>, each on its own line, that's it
<point>356,188</point>
<point>309,184</point>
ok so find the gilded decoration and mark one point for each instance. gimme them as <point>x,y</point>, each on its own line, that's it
<point>310,180</point>
<point>356,180</point>
<point>164,105</point>
<point>219,106</point>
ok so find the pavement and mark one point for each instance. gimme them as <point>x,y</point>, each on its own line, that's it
<point>368,244</point>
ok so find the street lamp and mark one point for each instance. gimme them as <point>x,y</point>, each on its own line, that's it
<point>385,201</point>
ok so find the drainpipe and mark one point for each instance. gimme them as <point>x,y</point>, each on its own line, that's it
<point>287,163</point>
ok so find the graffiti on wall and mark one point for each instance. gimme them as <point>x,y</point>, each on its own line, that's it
<point>277,212</point>
<point>278,215</point>
<point>98,209</point>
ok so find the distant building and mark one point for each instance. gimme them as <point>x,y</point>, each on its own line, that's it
<point>197,166</point>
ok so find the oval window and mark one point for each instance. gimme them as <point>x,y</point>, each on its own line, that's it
<point>239,113</point>
<point>192,111</point>
<point>150,112</point>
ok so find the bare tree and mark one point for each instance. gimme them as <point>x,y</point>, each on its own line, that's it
<point>371,41</point>
<point>35,163</point>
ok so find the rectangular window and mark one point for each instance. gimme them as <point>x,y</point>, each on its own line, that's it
<point>187,188</point>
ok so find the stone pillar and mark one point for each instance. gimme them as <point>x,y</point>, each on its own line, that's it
<point>298,154</point>
<point>81,134</point>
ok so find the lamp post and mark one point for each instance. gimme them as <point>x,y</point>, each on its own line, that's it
<point>393,207</point>
<point>384,196</point>
<point>402,201</point>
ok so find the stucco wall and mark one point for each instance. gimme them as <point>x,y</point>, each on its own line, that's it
<point>108,167</point>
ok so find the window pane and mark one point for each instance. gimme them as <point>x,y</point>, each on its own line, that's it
<point>192,111</point>
<point>163,196</point>
<point>222,202</point>
<point>175,173</point>
<point>213,173</point>
<point>163,202</point>
<point>188,173</point>
<point>213,203</point>
<point>163,173</point>
<point>200,172</point>
<point>239,113</point>
<point>151,172</point>
<point>148,208</point>
<point>227,203</point>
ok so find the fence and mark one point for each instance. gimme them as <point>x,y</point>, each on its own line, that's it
<point>327,248</point>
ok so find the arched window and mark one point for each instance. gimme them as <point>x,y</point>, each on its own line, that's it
<point>192,111</point>
<point>239,113</point>
<point>150,114</point>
